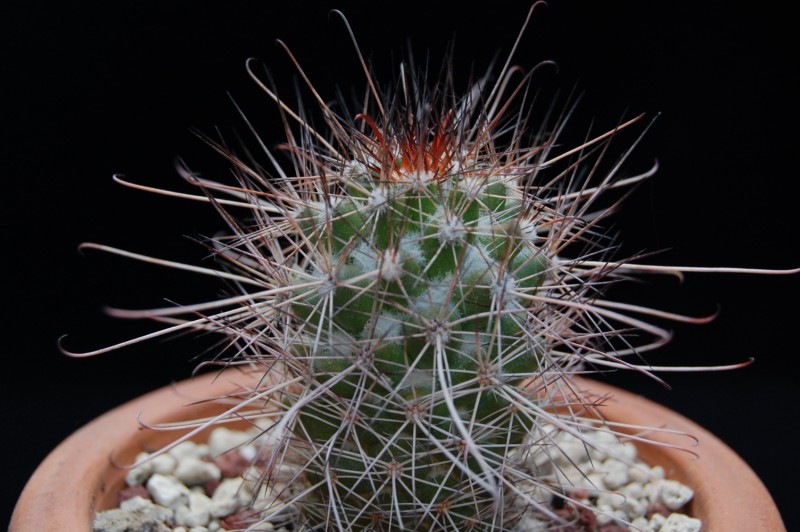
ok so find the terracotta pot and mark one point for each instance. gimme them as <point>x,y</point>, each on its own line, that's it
<point>80,477</point>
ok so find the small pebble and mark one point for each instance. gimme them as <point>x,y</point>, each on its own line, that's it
<point>118,520</point>
<point>595,482</point>
<point>139,504</point>
<point>602,442</point>
<point>571,451</point>
<point>196,513</point>
<point>570,477</point>
<point>189,449</point>
<point>657,472</point>
<point>657,521</point>
<point>639,474</point>
<point>140,473</point>
<point>616,473</point>
<point>223,440</point>
<point>674,495</point>
<point>164,464</point>
<point>249,452</point>
<point>633,490</point>
<point>587,518</point>
<point>604,514</point>
<point>634,508</point>
<point>627,452</point>
<point>230,495</point>
<point>193,471</point>
<point>168,491</point>
<point>232,464</point>
<point>580,494</point>
<point>611,500</point>
<point>681,523</point>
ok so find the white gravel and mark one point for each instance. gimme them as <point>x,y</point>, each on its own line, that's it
<point>601,482</point>
<point>186,491</point>
<point>604,475</point>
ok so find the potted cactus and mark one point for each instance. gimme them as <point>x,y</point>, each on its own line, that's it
<point>419,286</point>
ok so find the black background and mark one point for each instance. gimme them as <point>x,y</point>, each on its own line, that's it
<point>103,88</point>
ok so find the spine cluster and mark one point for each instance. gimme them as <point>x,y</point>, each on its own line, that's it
<point>416,278</point>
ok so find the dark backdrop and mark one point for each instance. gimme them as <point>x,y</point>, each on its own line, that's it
<point>102,88</point>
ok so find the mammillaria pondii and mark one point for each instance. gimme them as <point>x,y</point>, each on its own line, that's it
<point>419,283</point>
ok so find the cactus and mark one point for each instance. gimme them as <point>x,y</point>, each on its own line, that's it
<point>418,288</point>
<point>417,265</point>
<point>419,291</point>
<point>424,301</point>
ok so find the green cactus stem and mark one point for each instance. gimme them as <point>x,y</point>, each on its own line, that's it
<point>416,272</point>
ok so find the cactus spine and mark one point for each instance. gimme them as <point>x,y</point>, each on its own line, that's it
<point>417,295</point>
<point>416,268</point>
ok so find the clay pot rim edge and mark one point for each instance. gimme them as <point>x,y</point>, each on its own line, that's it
<point>710,467</point>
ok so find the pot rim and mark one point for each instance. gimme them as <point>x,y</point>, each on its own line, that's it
<point>728,494</point>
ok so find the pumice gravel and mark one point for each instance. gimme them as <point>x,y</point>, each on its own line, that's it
<point>219,485</point>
